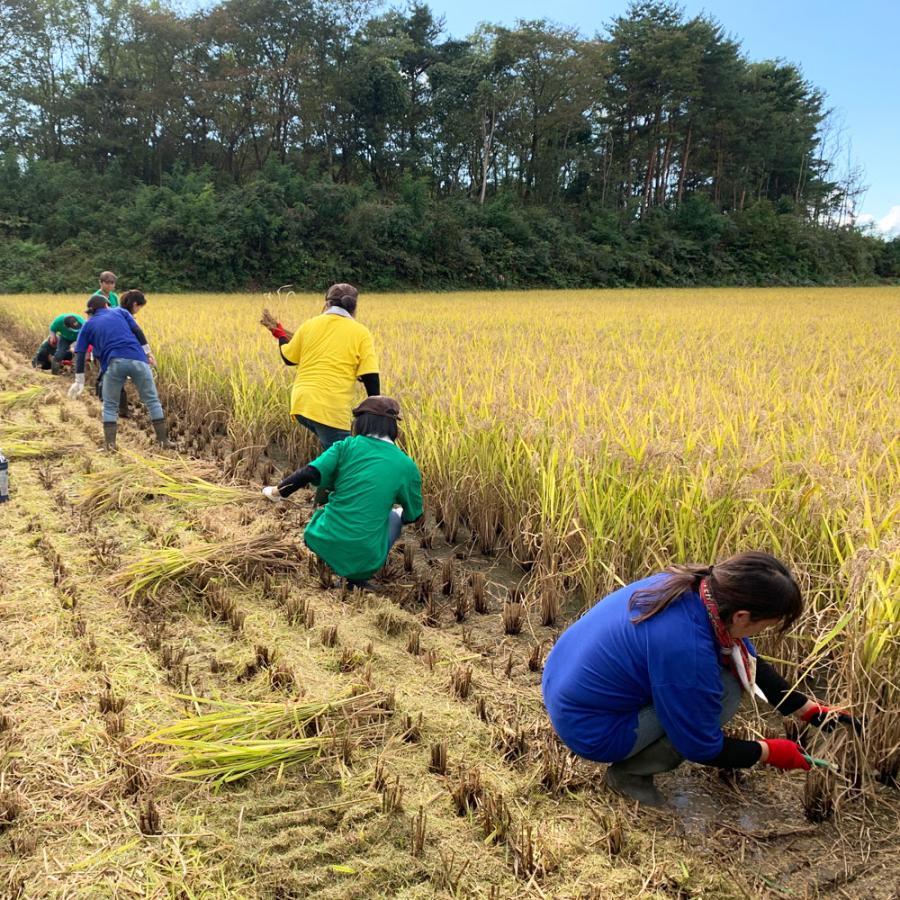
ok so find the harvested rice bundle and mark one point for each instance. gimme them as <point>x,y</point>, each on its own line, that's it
<point>37,449</point>
<point>18,432</point>
<point>237,739</point>
<point>146,478</point>
<point>26,397</point>
<point>235,559</point>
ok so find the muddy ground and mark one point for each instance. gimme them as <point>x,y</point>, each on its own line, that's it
<point>84,674</point>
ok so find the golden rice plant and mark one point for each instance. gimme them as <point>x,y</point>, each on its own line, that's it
<point>597,436</point>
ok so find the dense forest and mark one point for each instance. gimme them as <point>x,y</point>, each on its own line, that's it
<point>265,142</point>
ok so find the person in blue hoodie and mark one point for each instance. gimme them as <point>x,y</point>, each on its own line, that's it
<point>120,345</point>
<point>648,676</point>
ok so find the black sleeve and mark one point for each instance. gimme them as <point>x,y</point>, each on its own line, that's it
<point>79,363</point>
<point>778,692</point>
<point>372,384</point>
<point>736,754</point>
<point>281,342</point>
<point>300,478</point>
<point>139,334</point>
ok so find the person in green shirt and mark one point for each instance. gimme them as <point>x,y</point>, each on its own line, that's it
<point>108,289</point>
<point>64,331</point>
<point>368,475</point>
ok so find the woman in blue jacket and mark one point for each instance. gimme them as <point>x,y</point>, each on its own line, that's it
<point>648,676</point>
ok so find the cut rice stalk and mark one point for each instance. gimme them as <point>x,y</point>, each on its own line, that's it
<point>238,739</point>
<point>35,449</point>
<point>146,478</point>
<point>26,397</point>
<point>234,559</point>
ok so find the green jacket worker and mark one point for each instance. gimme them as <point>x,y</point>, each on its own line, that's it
<point>64,330</point>
<point>648,676</point>
<point>368,475</point>
<point>332,351</point>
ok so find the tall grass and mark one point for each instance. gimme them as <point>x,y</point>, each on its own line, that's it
<point>600,435</point>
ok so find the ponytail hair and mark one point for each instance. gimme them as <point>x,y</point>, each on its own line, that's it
<point>752,581</point>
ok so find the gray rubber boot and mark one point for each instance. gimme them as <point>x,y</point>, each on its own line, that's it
<point>633,777</point>
<point>109,435</point>
<point>162,433</point>
<point>55,367</point>
<point>636,787</point>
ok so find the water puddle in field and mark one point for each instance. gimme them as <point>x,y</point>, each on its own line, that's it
<point>703,808</point>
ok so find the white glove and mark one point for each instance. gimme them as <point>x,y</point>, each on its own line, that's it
<point>273,494</point>
<point>78,387</point>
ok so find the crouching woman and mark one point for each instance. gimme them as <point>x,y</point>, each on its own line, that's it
<point>647,677</point>
<point>367,475</point>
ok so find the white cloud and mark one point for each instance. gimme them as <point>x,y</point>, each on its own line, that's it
<point>888,225</point>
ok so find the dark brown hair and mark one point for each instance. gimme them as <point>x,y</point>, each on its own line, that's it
<point>95,303</point>
<point>754,581</point>
<point>375,426</point>
<point>131,299</point>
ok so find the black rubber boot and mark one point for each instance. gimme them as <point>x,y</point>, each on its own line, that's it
<point>366,585</point>
<point>55,366</point>
<point>162,433</point>
<point>124,408</point>
<point>109,435</point>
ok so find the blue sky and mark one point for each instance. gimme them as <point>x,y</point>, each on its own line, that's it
<point>847,49</point>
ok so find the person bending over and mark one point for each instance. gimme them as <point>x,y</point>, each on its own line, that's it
<point>64,331</point>
<point>133,302</point>
<point>368,474</point>
<point>648,676</point>
<point>120,346</point>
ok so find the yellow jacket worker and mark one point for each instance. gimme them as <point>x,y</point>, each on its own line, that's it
<point>332,351</point>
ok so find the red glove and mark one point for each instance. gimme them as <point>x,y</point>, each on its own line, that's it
<point>278,331</point>
<point>826,718</point>
<point>784,754</point>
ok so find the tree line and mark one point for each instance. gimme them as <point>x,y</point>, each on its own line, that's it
<point>273,141</point>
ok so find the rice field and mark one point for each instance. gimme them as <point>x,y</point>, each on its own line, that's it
<point>582,440</point>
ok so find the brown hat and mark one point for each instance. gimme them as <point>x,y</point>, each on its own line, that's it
<point>379,406</point>
<point>337,292</point>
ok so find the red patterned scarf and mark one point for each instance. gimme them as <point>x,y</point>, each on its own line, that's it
<point>735,655</point>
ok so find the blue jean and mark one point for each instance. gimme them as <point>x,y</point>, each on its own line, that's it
<point>395,526</point>
<point>117,372</point>
<point>63,346</point>
<point>327,434</point>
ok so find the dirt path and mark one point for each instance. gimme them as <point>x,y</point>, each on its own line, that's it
<point>83,674</point>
